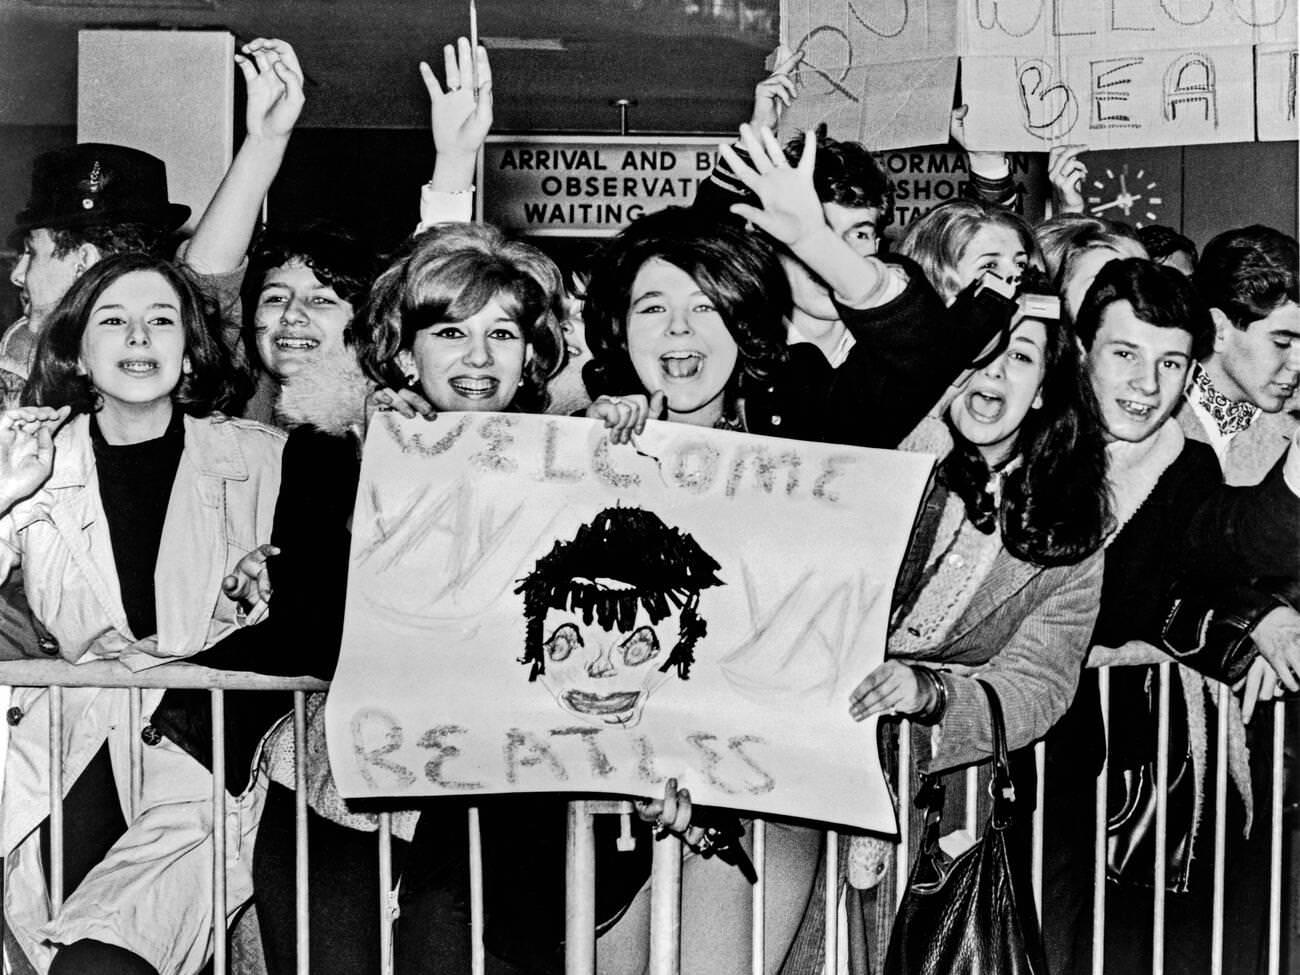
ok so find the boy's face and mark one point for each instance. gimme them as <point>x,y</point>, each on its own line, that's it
<point>606,676</point>
<point>1260,363</point>
<point>857,227</point>
<point>1137,371</point>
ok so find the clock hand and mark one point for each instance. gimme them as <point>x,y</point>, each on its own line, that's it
<point>1107,206</point>
<point>1123,184</point>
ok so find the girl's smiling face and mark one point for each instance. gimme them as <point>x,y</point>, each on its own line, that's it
<point>990,411</point>
<point>679,343</point>
<point>133,346</point>
<point>298,319</point>
<point>475,365</point>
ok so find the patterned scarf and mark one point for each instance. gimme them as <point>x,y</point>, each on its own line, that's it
<point>1229,415</point>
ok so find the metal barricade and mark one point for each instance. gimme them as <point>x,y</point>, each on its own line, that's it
<point>666,879</point>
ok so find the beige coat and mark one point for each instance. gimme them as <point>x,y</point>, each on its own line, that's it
<point>221,506</point>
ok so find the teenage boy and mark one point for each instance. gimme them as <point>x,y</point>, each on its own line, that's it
<point>1142,328</point>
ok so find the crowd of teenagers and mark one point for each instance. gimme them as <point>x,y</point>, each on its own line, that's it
<point>1118,483</point>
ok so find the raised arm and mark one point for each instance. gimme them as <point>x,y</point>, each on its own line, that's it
<point>792,214</point>
<point>460,118</point>
<point>274,83</point>
<point>777,92</point>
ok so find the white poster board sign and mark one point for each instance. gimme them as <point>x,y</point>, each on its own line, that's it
<point>1116,74</point>
<point>878,73</point>
<point>525,600</point>
<point>1275,92</point>
<point>1111,101</point>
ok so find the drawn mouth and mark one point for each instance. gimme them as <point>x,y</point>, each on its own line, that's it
<point>583,702</point>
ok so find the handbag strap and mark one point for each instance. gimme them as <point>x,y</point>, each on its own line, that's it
<point>930,796</point>
<point>1001,788</point>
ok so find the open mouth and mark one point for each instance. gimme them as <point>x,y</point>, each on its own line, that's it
<point>1138,411</point>
<point>986,407</point>
<point>138,367</point>
<point>681,365</point>
<point>475,387</point>
<point>604,705</point>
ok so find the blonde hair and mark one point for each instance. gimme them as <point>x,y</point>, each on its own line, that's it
<point>939,239</point>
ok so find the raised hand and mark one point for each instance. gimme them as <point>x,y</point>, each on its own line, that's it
<point>274,82</point>
<point>1066,173</point>
<point>27,450</point>
<point>791,212</point>
<point>775,93</point>
<point>460,116</point>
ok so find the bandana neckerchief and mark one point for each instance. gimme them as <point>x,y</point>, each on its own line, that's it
<point>1229,415</point>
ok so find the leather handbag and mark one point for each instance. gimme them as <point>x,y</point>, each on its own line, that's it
<point>972,915</point>
<point>1132,794</point>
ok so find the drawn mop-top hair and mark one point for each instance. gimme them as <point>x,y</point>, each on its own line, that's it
<point>625,559</point>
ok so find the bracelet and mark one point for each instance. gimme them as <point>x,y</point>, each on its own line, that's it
<point>938,703</point>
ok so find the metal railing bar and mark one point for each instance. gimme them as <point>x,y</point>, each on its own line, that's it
<point>111,673</point>
<point>302,865</point>
<point>384,838</point>
<point>1099,836</point>
<point>758,959</point>
<point>1220,831</point>
<point>219,944</point>
<point>56,799</point>
<point>1040,762</point>
<point>666,909</point>
<point>1275,842</point>
<point>580,893</point>
<point>1162,819</point>
<point>477,957</point>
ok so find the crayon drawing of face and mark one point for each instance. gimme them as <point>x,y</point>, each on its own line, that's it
<point>612,612</point>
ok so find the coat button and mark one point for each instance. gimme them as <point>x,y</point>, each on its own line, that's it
<point>48,646</point>
<point>14,715</point>
<point>150,735</point>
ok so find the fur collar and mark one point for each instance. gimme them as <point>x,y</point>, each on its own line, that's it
<point>1134,468</point>
<point>330,396</point>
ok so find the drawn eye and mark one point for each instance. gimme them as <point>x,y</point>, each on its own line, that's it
<point>563,642</point>
<point>640,647</point>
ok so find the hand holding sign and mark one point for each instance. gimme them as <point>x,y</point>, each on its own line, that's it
<point>1067,174</point>
<point>775,93</point>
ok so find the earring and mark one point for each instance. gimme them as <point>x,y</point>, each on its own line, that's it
<point>412,378</point>
<point>186,368</point>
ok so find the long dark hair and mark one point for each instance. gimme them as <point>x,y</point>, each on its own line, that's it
<point>56,379</point>
<point>1055,505</point>
<point>738,270</point>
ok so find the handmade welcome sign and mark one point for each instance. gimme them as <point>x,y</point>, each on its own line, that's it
<point>531,608</point>
<point>1123,73</point>
<point>1108,74</point>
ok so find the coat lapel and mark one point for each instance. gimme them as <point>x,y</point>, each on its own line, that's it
<point>1006,578</point>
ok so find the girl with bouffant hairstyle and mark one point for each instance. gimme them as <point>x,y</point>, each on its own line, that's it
<point>448,275</point>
